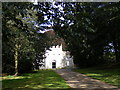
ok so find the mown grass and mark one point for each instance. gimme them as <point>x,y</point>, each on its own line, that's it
<point>43,79</point>
<point>108,75</point>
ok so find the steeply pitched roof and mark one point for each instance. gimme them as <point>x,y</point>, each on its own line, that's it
<point>56,40</point>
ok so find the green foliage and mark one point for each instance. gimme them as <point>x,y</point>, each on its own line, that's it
<point>43,79</point>
<point>88,28</point>
<point>21,42</point>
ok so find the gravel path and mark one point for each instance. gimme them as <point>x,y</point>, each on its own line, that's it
<point>82,82</point>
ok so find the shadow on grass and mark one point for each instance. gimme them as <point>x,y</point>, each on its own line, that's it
<point>30,84</point>
<point>44,79</point>
<point>61,89</point>
<point>111,76</point>
<point>25,88</point>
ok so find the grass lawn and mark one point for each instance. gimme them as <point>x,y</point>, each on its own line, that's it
<point>43,79</point>
<point>108,75</point>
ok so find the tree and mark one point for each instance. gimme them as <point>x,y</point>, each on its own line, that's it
<point>21,40</point>
<point>87,28</point>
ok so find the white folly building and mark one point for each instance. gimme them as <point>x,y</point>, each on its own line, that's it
<point>57,58</point>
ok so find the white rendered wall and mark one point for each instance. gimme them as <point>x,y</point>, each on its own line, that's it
<point>55,54</point>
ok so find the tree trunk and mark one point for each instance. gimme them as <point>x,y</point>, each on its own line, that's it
<point>16,60</point>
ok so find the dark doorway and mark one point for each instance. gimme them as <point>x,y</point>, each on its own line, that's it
<point>53,64</point>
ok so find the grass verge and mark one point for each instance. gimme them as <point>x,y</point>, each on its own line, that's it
<point>108,75</point>
<point>43,79</point>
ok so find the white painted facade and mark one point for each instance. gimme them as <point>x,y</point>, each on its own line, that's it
<point>57,58</point>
